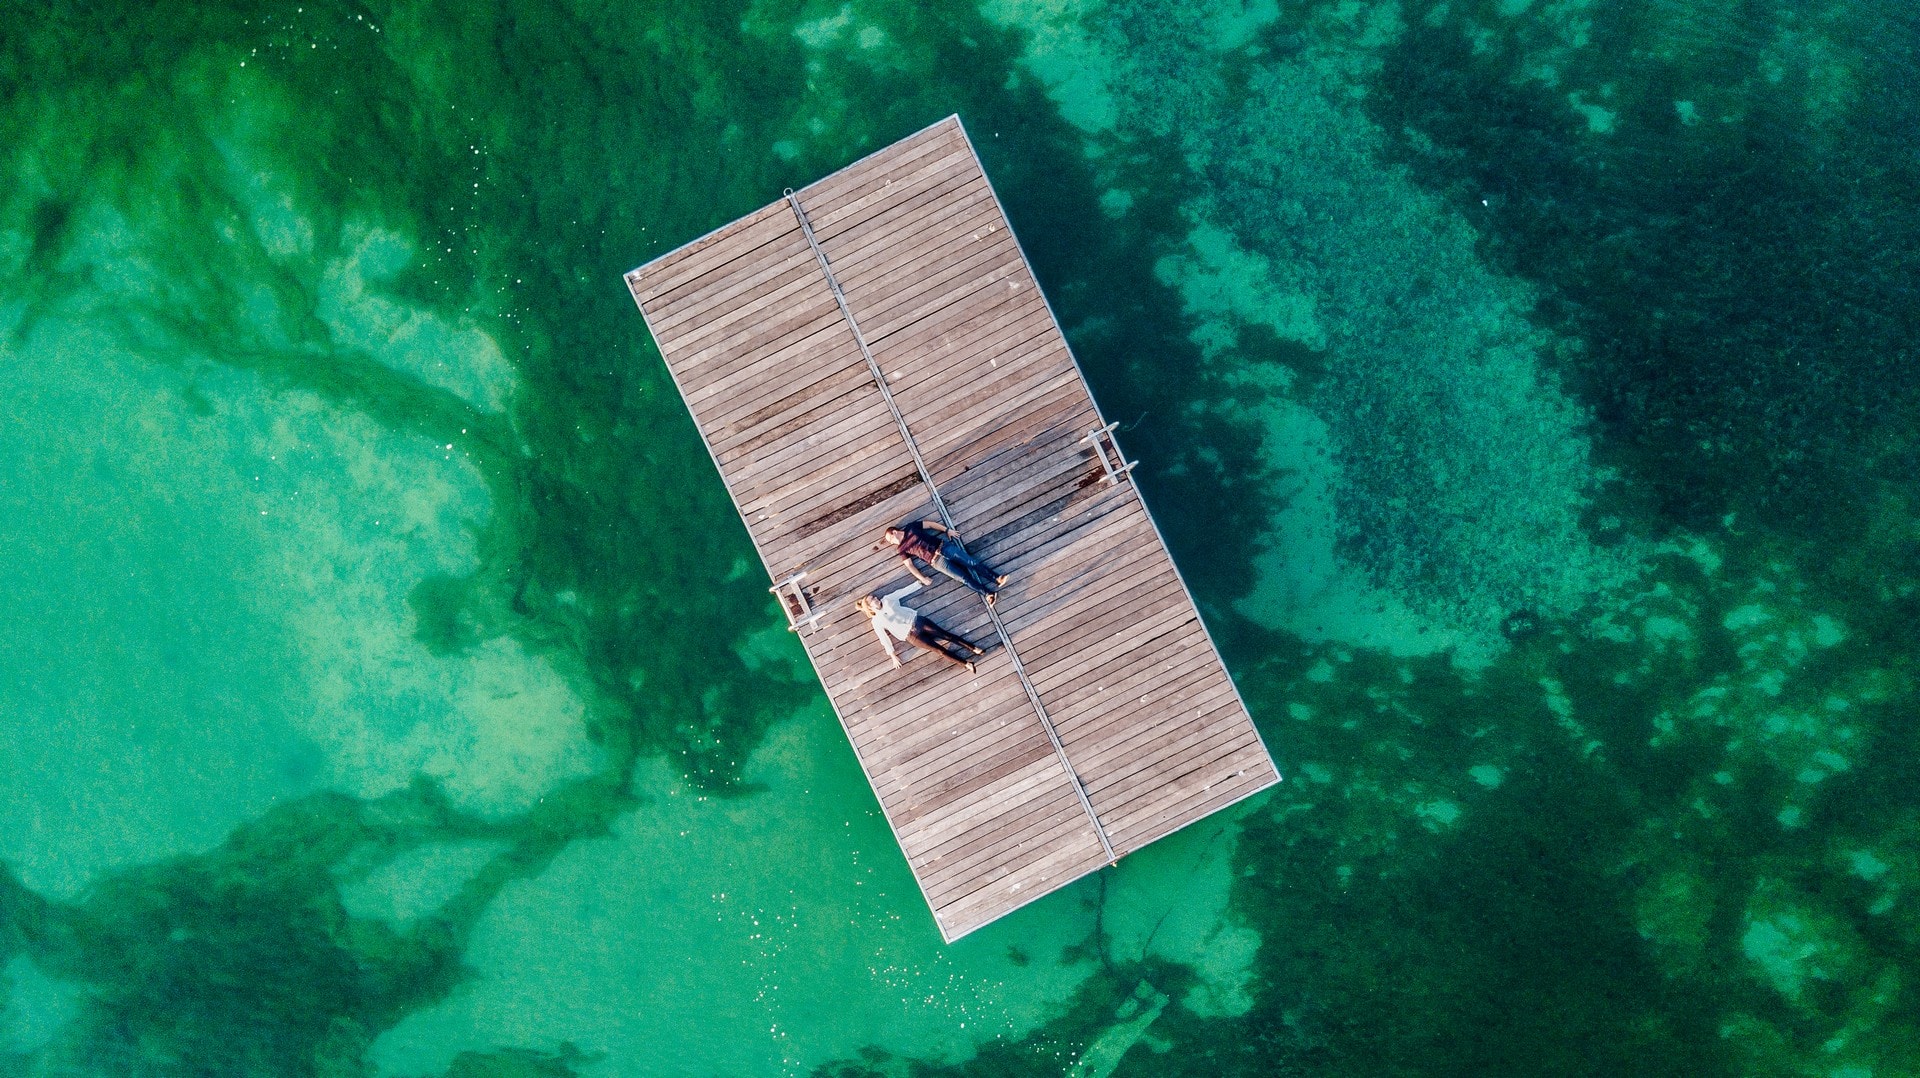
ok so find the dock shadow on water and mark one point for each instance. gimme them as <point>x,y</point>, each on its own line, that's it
<point>392,690</point>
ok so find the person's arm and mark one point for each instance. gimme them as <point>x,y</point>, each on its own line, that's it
<point>935,525</point>
<point>893,597</point>
<point>886,641</point>
<point>915,570</point>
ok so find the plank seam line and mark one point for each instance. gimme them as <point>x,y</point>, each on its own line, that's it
<point>940,506</point>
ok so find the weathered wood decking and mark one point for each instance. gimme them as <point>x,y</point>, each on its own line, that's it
<point>1101,717</point>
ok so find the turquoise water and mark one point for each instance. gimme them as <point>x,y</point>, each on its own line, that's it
<point>1525,387</point>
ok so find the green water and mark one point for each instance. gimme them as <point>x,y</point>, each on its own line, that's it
<point>1526,388</point>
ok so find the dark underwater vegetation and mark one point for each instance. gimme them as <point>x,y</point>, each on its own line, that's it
<point>1527,389</point>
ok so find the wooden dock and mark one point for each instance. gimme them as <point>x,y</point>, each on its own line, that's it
<point>873,349</point>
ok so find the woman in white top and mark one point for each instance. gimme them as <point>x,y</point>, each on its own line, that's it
<point>894,620</point>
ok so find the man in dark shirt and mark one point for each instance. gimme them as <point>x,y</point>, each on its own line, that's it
<point>929,541</point>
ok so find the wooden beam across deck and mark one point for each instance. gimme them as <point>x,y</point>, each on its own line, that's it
<point>874,349</point>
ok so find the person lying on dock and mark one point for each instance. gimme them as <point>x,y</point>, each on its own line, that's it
<point>894,620</point>
<point>930,541</point>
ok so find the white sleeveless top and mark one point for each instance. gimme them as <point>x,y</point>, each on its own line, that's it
<point>895,617</point>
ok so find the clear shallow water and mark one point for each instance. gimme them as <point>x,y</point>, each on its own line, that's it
<point>1525,388</point>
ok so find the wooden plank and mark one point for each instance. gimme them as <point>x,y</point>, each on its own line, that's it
<point>1035,401</point>
<point>1107,688</point>
<point>740,282</point>
<point>780,295</point>
<point>1185,774</point>
<point>893,164</point>
<point>1161,796</point>
<point>983,805</point>
<point>1118,764</point>
<point>1016,844</point>
<point>984,849</point>
<point>922,770</point>
<point>965,837</point>
<point>992,849</point>
<point>815,353</point>
<point>801,452</point>
<point>1038,781</point>
<point>918,757</point>
<point>1055,471</point>
<point>1122,685</point>
<point>1173,807</point>
<point>1051,579</point>
<point>1040,583</point>
<point>942,220</point>
<point>1165,799</point>
<point>744,364</point>
<point>992,897</point>
<point>1006,799</point>
<point>1066,681</point>
<point>1163,632</point>
<point>818,348</point>
<point>834,215</point>
<point>915,755</point>
<point>1089,595</point>
<point>778,450</point>
<point>936,338</point>
<point>866,447</point>
<point>934,795</point>
<point>894,210</point>
<point>846,387</point>
<point>972,281</point>
<point>941,766</point>
<point>853,190</point>
<point>687,268</point>
<point>786,500</point>
<point>728,344</point>
<point>942,233</point>
<point>1124,551</point>
<point>885,496</point>
<point>1106,612</point>
<point>939,381</point>
<point>914,209</point>
<point>956,409</point>
<point>975,269</point>
<point>1133,831</point>
<point>1117,752</point>
<point>988,852</point>
<point>819,370</point>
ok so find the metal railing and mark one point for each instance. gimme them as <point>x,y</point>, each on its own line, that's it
<point>1112,461</point>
